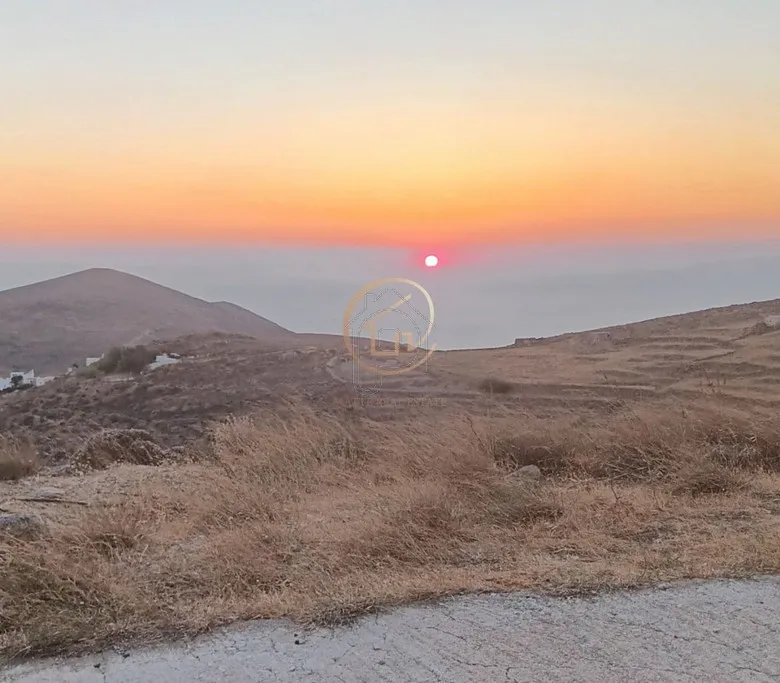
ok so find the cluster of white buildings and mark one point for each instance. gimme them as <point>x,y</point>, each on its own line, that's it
<point>23,379</point>
<point>159,361</point>
<point>20,380</point>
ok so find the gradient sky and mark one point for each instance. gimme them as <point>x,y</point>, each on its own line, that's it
<point>404,122</point>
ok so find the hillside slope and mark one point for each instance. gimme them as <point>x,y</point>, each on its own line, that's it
<point>732,351</point>
<point>51,324</point>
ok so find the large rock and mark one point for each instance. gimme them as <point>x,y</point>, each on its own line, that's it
<point>530,472</point>
<point>21,525</point>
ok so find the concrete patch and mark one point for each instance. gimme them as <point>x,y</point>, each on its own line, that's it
<point>706,631</point>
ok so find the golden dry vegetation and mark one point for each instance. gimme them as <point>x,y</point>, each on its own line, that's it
<point>732,353</point>
<point>321,520</point>
<point>658,455</point>
<point>17,459</point>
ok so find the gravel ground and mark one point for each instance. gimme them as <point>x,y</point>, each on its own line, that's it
<point>703,631</point>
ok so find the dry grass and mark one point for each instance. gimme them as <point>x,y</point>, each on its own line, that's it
<point>716,353</point>
<point>110,446</point>
<point>319,520</point>
<point>17,459</point>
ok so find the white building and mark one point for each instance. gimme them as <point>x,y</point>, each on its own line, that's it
<point>164,359</point>
<point>19,379</point>
<point>26,379</point>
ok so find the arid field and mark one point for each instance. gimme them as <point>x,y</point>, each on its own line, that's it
<point>584,463</point>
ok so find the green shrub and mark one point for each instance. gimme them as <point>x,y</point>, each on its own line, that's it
<point>134,359</point>
<point>110,360</point>
<point>126,359</point>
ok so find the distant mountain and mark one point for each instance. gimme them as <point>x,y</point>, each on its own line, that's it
<point>49,325</point>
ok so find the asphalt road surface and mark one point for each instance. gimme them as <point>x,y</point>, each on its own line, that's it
<point>716,631</point>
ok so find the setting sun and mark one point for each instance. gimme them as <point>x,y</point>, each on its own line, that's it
<point>431,261</point>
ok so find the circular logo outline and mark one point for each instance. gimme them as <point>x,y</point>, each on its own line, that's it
<point>360,295</point>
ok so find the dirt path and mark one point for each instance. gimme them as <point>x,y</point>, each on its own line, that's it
<point>706,631</point>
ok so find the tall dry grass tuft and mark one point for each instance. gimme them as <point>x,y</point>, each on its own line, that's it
<point>284,453</point>
<point>112,530</point>
<point>651,446</point>
<point>17,459</point>
<point>742,441</point>
<point>57,593</point>
<point>702,476</point>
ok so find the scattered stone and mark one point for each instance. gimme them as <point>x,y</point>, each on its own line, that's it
<point>23,526</point>
<point>289,354</point>
<point>60,470</point>
<point>49,493</point>
<point>530,472</point>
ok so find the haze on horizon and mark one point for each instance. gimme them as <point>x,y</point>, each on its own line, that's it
<point>406,123</point>
<point>500,294</point>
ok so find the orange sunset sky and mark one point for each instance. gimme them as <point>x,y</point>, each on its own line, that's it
<point>389,123</point>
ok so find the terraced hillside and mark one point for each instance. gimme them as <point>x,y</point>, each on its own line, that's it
<point>732,352</point>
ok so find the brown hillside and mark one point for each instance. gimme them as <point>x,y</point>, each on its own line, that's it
<point>221,375</point>
<point>731,351</point>
<point>50,325</point>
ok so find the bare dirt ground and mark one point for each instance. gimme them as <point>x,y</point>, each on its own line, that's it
<point>595,463</point>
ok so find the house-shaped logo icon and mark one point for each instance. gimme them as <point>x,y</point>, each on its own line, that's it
<point>387,306</point>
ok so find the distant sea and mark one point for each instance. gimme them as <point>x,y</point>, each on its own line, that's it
<point>484,297</point>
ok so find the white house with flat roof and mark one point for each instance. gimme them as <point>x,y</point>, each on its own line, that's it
<point>19,379</point>
<point>164,359</point>
<point>23,379</point>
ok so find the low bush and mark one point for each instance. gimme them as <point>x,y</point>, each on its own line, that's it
<point>491,385</point>
<point>108,446</point>
<point>131,359</point>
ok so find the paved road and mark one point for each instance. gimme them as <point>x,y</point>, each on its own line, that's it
<point>718,631</point>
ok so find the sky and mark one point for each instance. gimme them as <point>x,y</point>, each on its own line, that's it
<point>414,124</point>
